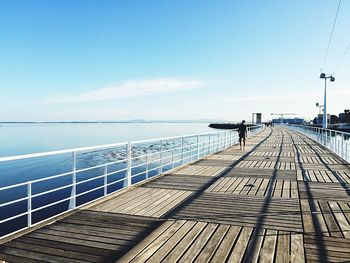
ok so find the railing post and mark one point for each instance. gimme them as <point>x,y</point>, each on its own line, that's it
<point>230,138</point>
<point>74,181</point>
<point>29,203</point>
<point>147,166</point>
<point>161,156</point>
<point>128,179</point>
<point>105,181</point>
<point>335,145</point>
<point>209,145</point>
<point>342,146</point>
<point>197,146</point>
<point>182,151</point>
<point>324,137</point>
<point>218,143</point>
<point>225,139</point>
<point>172,159</point>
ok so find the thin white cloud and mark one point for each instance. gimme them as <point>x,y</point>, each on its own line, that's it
<point>129,89</point>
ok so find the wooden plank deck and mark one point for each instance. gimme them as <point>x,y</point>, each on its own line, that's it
<point>283,199</point>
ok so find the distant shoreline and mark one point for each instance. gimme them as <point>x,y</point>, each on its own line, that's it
<point>226,126</point>
<point>103,122</point>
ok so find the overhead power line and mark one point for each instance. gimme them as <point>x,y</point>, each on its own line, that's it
<point>342,57</point>
<point>331,36</point>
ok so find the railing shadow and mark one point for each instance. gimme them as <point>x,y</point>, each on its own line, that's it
<point>263,212</point>
<point>322,252</point>
<point>340,180</point>
<point>213,180</point>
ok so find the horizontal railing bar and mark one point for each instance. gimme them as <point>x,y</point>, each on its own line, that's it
<point>13,217</point>
<point>100,166</point>
<point>89,191</point>
<point>52,190</point>
<point>51,177</point>
<point>52,204</point>
<point>91,179</point>
<point>70,197</point>
<point>114,172</point>
<point>118,181</point>
<point>138,174</point>
<point>216,141</point>
<point>179,137</point>
<point>139,165</point>
<point>14,201</point>
<point>13,186</point>
<point>167,150</point>
<point>319,128</point>
<point>100,176</point>
<point>42,154</point>
<point>49,218</point>
<point>155,168</point>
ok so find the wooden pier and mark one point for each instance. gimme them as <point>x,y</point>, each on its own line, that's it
<point>283,199</point>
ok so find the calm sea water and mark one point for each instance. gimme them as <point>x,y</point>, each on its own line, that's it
<point>32,138</point>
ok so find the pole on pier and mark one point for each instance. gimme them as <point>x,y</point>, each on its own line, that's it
<point>182,151</point>
<point>161,156</point>
<point>72,203</point>
<point>105,181</point>
<point>332,79</point>
<point>128,179</point>
<point>324,124</point>
<point>29,204</point>
<point>197,146</point>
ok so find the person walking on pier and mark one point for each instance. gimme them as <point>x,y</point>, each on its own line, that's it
<point>242,132</point>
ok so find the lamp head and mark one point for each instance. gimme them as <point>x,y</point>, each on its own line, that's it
<point>322,76</point>
<point>332,78</point>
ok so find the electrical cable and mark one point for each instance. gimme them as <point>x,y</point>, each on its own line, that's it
<point>342,57</point>
<point>331,36</point>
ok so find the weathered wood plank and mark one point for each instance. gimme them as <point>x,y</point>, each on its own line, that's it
<point>185,243</point>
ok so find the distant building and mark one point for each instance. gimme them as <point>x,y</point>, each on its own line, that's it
<point>334,119</point>
<point>319,119</point>
<point>289,120</point>
<point>344,117</point>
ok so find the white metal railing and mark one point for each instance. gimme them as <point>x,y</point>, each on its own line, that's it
<point>134,162</point>
<point>336,141</point>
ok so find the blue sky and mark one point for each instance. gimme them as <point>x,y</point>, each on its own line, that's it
<point>117,60</point>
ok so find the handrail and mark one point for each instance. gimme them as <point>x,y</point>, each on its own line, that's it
<point>100,147</point>
<point>336,141</point>
<point>130,170</point>
<point>42,154</point>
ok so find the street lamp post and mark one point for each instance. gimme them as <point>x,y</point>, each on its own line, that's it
<point>325,77</point>
<point>319,107</point>
<point>319,111</point>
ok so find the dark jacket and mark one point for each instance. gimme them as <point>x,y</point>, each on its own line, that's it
<point>242,130</point>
